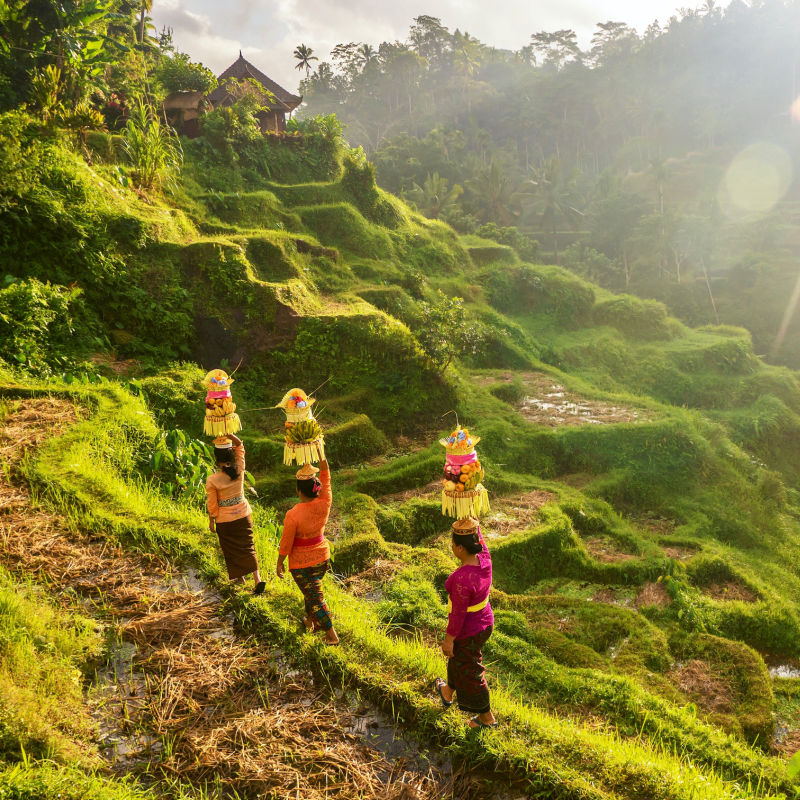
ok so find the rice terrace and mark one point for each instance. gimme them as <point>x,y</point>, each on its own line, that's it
<point>425,430</point>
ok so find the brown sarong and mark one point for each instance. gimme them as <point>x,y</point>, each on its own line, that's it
<point>466,674</point>
<point>238,547</point>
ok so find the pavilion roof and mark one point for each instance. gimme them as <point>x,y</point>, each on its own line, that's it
<point>242,69</point>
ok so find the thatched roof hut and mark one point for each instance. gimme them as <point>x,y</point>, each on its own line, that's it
<point>282,102</point>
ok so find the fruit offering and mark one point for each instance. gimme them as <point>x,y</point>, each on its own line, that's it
<point>221,416</point>
<point>304,441</point>
<point>463,493</point>
<point>462,477</point>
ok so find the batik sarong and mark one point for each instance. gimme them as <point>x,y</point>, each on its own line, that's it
<point>309,580</point>
<point>466,673</point>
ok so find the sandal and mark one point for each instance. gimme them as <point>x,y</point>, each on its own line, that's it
<point>259,589</point>
<point>437,685</point>
<point>478,724</point>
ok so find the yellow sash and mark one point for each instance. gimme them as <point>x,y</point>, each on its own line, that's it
<point>477,607</point>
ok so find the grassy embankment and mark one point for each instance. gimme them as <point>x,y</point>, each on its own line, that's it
<point>77,473</point>
<point>325,279</point>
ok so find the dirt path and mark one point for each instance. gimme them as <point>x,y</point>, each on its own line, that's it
<point>183,696</point>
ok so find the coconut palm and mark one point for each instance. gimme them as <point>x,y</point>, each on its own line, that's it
<point>147,7</point>
<point>304,58</point>
<point>435,196</point>
<point>367,55</point>
<point>556,194</point>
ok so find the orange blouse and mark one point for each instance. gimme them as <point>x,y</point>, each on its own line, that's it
<point>220,487</point>
<point>307,521</point>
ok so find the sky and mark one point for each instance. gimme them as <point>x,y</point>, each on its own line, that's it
<point>267,31</point>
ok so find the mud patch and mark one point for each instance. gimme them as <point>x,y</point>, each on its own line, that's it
<point>680,553</point>
<point>607,550</point>
<point>551,404</point>
<point>661,526</point>
<point>613,596</point>
<point>702,686</point>
<point>368,583</point>
<point>652,594</point>
<point>730,590</point>
<point>515,514</point>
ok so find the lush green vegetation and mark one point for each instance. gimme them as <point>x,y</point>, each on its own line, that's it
<point>645,529</point>
<point>632,162</point>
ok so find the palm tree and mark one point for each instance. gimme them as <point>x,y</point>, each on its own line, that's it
<point>366,55</point>
<point>435,196</point>
<point>147,7</point>
<point>494,193</point>
<point>304,58</point>
<point>556,192</point>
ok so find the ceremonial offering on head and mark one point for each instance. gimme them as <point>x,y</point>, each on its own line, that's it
<point>221,416</point>
<point>304,442</point>
<point>463,494</point>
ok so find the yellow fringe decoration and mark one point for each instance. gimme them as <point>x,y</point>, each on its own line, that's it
<point>219,426</point>
<point>471,503</point>
<point>304,452</point>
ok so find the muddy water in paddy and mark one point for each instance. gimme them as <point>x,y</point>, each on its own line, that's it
<point>181,694</point>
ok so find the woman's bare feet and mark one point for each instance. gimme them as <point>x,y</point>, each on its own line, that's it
<point>331,637</point>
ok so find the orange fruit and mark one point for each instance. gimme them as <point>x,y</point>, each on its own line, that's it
<point>460,487</point>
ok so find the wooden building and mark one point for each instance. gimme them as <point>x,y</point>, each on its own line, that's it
<point>183,109</point>
<point>272,121</point>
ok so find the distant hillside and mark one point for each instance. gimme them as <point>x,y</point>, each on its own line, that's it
<point>658,163</point>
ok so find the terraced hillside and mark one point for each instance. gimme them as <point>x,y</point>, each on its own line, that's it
<point>645,521</point>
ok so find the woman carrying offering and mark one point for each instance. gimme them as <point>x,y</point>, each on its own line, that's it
<point>469,625</point>
<point>303,541</point>
<point>229,513</point>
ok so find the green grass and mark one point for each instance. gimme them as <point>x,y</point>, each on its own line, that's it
<point>322,281</point>
<point>42,651</point>
<point>560,756</point>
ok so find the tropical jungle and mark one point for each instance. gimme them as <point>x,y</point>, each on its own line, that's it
<point>584,257</point>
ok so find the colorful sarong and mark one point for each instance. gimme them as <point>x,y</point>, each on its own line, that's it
<point>309,580</point>
<point>466,675</point>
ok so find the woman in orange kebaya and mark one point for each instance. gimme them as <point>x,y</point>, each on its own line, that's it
<point>303,541</point>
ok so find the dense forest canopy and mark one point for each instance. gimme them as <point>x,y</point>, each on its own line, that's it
<point>657,162</point>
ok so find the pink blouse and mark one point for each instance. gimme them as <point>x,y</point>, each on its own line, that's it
<point>468,586</point>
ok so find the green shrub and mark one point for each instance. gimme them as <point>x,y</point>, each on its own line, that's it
<point>512,391</point>
<point>271,260</point>
<point>357,553</point>
<point>43,327</point>
<point>176,396</point>
<point>251,210</point>
<point>355,440</point>
<point>410,600</point>
<point>640,319</point>
<point>393,300</point>
<point>412,522</point>
<point>344,227</point>
<point>526,247</point>
<point>483,255</point>
<point>541,290</point>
